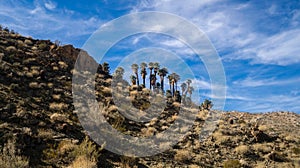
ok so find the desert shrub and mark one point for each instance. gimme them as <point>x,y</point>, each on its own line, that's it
<point>88,150</point>
<point>296,150</point>
<point>62,65</point>
<point>20,44</point>
<point>51,154</point>
<point>35,72</point>
<point>242,149</point>
<point>183,155</point>
<point>34,85</point>
<point>83,161</point>
<point>42,46</point>
<point>232,164</point>
<point>148,131</point>
<point>14,86</point>
<point>264,148</point>
<point>220,138</point>
<point>128,162</point>
<point>1,56</point>
<point>10,158</point>
<point>11,49</point>
<point>57,106</point>
<point>83,155</point>
<point>28,42</point>
<point>56,96</point>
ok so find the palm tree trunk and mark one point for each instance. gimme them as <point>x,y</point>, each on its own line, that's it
<point>137,79</point>
<point>144,80</point>
<point>150,78</point>
<point>187,89</point>
<point>162,83</point>
<point>173,83</point>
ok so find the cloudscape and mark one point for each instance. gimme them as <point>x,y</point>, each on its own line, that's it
<point>257,41</point>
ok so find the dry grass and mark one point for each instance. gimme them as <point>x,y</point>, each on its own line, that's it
<point>10,158</point>
<point>86,154</point>
<point>84,162</point>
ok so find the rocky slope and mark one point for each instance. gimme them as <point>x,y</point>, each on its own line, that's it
<point>38,126</point>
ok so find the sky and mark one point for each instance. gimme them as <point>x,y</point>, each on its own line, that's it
<point>257,41</point>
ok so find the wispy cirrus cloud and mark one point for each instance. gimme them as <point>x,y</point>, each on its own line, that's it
<point>50,5</point>
<point>280,49</point>
<point>230,28</point>
<point>43,19</point>
<point>251,82</point>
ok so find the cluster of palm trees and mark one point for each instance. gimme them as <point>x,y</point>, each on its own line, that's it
<point>155,72</point>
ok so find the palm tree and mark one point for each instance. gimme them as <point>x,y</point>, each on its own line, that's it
<point>133,79</point>
<point>188,85</point>
<point>105,67</point>
<point>176,79</point>
<point>156,67</point>
<point>135,68</point>
<point>191,90</point>
<point>119,72</point>
<point>162,73</point>
<point>170,77</point>
<point>183,88</point>
<point>143,72</point>
<point>150,66</point>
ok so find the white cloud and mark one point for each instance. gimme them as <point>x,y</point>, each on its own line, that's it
<point>50,5</point>
<point>230,29</point>
<point>280,49</point>
<point>250,82</point>
<point>45,20</point>
<point>273,103</point>
<point>201,84</point>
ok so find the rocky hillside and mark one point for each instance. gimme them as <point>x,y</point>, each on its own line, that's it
<point>38,126</point>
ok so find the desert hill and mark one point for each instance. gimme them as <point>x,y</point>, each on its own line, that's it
<point>39,128</point>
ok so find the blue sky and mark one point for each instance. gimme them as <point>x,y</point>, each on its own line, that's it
<point>258,41</point>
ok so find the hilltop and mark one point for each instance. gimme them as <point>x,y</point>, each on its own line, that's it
<point>39,128</point>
